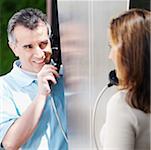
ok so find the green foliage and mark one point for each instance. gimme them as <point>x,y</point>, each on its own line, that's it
<point>7,9</point>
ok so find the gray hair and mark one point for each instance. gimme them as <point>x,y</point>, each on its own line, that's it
<point>29,18</point>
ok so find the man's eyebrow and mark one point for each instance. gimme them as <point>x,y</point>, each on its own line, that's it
<point>27,45</point>
<point>44,41</point>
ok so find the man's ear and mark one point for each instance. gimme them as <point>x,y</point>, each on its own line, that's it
<point>13,47</point>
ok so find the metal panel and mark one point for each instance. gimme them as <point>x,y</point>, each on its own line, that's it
<point>83,30</point>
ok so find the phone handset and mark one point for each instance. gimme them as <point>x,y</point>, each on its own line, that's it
<point>113,80</point>
<point>51,61</point>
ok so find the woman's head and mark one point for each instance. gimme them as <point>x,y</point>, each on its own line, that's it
<point>130,42</point>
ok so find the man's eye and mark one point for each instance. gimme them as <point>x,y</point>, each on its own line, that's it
<point>43,45</point>
<point>28,46</point>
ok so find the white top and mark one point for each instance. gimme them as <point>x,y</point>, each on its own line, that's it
<point>125,128</point>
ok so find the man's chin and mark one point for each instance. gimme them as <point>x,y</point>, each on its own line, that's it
<point>37,69</point>
<point>33,68</point>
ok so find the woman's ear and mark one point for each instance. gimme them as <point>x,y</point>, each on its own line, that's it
<point>13,48</point>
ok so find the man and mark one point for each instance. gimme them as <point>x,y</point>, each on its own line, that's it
<point>27,118</point>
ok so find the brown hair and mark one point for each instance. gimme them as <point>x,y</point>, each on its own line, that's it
<point>131,31</point>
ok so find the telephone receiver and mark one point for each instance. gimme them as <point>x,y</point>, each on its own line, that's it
<point>113,80</point>
<point>53,58</point>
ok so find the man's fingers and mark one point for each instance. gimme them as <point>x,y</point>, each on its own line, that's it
<point>47,69</point>
<point>51,78</point>
<point>55,73</point>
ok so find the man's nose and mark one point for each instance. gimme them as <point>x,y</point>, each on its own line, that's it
<point>39,53</point>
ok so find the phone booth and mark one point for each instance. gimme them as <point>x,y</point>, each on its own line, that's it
<point>83,38</point>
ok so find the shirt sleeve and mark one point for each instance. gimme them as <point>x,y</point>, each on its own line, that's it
<point>8,113</point>
<point>118,132</point>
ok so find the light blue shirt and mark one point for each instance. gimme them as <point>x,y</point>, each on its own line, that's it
<point>17,90</point>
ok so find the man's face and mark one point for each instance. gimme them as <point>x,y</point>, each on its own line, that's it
<point>32,46</point>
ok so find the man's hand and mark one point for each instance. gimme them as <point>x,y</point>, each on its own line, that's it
<point>47,73</point>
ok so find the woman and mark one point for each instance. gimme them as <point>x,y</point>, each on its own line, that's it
<point>128,111</point>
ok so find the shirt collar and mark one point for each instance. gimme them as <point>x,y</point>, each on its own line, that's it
<point>23,78</point>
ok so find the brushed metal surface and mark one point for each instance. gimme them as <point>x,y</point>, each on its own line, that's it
<point>83,30</point>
